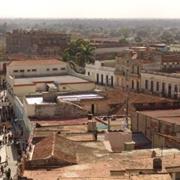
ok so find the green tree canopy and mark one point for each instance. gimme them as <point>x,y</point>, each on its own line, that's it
<point>80,52</point>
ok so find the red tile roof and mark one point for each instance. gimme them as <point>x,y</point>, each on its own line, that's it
<point>55,146</point>
<point>33,62</point>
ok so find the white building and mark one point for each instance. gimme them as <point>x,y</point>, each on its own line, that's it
<point>163,84</point>
<point>102,72</point>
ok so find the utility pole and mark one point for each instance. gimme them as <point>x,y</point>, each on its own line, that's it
<point>127,100</point>
<point>127,92</point>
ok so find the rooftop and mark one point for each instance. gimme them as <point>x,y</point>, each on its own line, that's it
<point>110,50</point>
<point>73,97</point>
<point>35,62</point>
<point>119,96</point>
<point>171,115</point>
<point>56,146</point>
<point>63,79</point>
<point>105,163</point>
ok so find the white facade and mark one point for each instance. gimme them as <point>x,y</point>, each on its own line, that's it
<point>163,84</point>
<point>174,48</point>
<point>102,72</point>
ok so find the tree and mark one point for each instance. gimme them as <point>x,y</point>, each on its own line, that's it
<point>80,52</point>
<point>167,37</point>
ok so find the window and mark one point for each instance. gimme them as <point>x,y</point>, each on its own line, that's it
<point>152,86</point>
<point>146,84</point>
<point>102,79</point>
<point>63,68</point>
<point>97,78</point>
<point>169,90</point>
<point>28,70</point>
<point>157,86</point>
<point>47,69</point>
<point>21,70</point>
<point>163,88</point>
<point>34,70</point>
<point>107,80</point>
<point>132,84</point>
<point>54,69</point>
<point>15,71</point>
<point>112,81</point>
<point>137,85</point>
<point>88,73</point>
<point>175,91</point>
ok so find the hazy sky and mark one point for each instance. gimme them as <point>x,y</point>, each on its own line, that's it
<point>90,8</point>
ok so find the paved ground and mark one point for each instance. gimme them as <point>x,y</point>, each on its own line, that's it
<point>12,159</point>
<point>8,154</point>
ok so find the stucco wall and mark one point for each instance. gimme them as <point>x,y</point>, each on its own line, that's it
<point>117,139</point>
<point>101,68</point>
<point>70,87</point>
<point>60,110</point>
<point>150,126</point>
<point>24,90</point>
<point>40,70</point>
<point>168,80</point>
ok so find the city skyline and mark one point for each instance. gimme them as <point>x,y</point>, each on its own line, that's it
<point>89,9</point>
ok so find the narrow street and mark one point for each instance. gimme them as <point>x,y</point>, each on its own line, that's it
<point>12,159</point>
<point>8,152</point>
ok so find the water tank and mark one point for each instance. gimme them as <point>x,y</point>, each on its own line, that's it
<point>157,164</point>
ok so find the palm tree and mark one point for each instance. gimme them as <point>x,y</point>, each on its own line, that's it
<point>80,52</point>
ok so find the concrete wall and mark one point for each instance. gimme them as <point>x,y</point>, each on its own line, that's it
<point>101,107</point>
<point>22,117</point>
<point>117,139</point>
<point>150,126</point>
<point>70,87</point>
<point>160,141</point>
<point>40,70</point>
<point>62,110</point>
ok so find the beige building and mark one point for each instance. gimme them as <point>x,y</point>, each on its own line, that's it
<point>62,106</point>
<point>36,76</point>
<point>163,84</point>
<point>152,123</point>
<point>128,70</point>
<point>102,72</point>
<point>29,68</point>
<point>66,83</point>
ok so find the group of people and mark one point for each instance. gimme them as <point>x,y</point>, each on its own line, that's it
<point>7,139</point>
<point>6,172</point>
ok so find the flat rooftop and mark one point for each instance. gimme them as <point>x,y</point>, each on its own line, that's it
<point>110,50</point>
<point>171,115</point>
<point>63,79</point>
<point>74,97</point>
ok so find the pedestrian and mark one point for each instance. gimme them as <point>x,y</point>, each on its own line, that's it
<point>2,170</point>
<point>9,173</point>
<point>5,139</point>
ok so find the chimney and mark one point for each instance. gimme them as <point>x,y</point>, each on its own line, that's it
<point>157,164</point>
